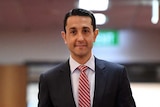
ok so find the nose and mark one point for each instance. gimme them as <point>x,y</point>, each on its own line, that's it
<point>80,37</point>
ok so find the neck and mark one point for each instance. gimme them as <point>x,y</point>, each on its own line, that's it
<point>81,59</point>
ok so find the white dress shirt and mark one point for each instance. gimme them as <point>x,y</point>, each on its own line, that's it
<point>75,73</point>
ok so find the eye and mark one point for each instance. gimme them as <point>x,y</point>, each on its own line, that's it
<point>73,32</point>
<point>85,30</point>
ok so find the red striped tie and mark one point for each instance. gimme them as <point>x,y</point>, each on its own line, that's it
<point>83,89</point>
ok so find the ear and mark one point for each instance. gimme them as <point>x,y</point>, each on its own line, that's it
<point>63,34</point>
<point>96,34</point>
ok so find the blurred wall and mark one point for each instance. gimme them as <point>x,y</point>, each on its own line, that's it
<point>13,82</point>
<point>134,45</point>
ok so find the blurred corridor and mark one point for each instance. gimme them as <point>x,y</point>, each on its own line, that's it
<point>31,43</point>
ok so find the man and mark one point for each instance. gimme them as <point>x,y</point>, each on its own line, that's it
<point>107,83</point>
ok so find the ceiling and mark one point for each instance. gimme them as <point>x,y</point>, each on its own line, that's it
<point>26,15</point>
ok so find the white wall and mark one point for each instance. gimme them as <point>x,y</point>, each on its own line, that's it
<point>18,47</point>
<point>134,46</point>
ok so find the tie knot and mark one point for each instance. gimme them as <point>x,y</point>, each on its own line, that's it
<point>82,68</point>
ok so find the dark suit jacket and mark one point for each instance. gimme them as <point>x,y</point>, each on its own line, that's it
<point>112,88</point>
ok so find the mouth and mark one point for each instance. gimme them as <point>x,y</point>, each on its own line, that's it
<point>81,45</point>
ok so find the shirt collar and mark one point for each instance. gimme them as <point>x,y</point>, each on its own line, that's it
<point>74,64</point>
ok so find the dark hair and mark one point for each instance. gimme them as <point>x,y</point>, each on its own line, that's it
<point>80,12</point>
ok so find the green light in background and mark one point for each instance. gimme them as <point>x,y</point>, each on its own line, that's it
<point>107,38</point>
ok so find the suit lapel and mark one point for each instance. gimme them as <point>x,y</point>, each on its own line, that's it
<point>67,99</point>
<point>100,79</point>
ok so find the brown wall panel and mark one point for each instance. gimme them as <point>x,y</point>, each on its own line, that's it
<point>13,84</point>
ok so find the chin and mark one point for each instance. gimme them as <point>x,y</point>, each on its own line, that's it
<point>81,54</point>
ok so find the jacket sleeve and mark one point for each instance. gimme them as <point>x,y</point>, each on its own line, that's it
<point>43,94</point>
<point>125,98</point>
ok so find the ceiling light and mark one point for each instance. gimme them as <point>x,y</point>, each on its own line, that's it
<point>94,5</point>
<point>155,12</point>
<point>100,18</point>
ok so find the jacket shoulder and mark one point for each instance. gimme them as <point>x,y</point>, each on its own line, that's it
<point>56,70</point>
<point>108,64</point>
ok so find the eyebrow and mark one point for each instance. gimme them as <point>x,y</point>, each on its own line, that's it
<point>86,28</point>
<point>82,28</point>
<point>72,28</point>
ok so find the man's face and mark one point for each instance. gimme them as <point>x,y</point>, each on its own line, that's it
<point>79,36</point>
